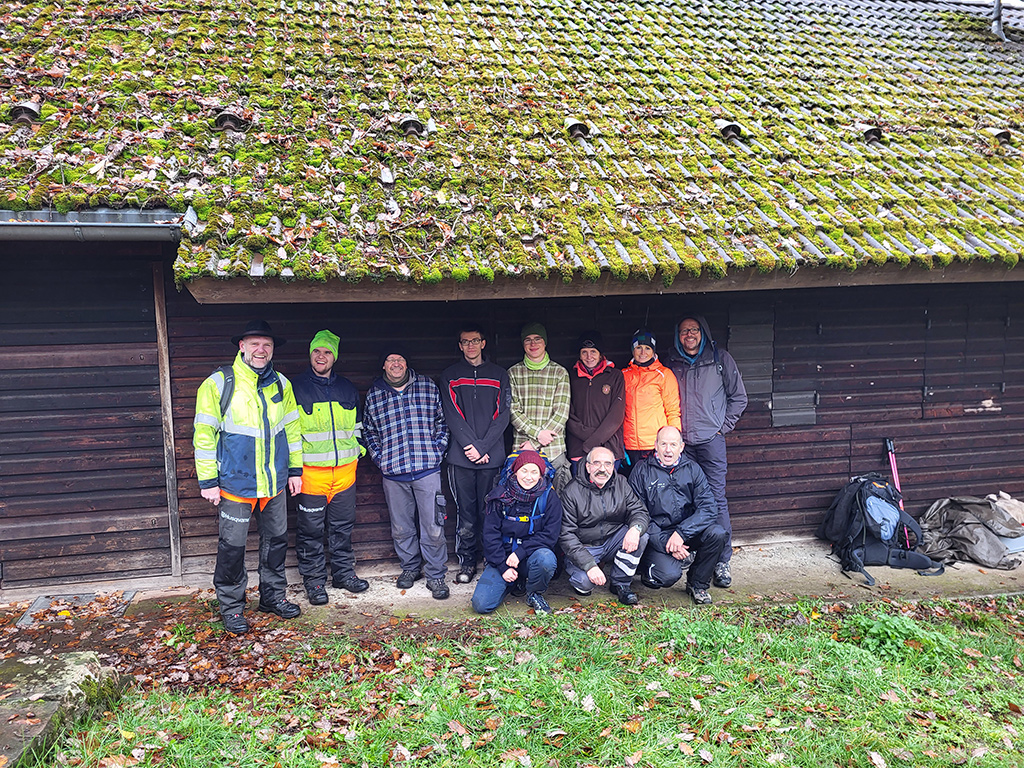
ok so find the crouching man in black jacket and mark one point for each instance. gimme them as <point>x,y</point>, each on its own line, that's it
<point>683,518</point>
<point>602,520</point>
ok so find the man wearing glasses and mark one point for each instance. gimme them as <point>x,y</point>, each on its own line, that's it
<point>603,521</point>
<point>711,400</point>
<point>475,396</point>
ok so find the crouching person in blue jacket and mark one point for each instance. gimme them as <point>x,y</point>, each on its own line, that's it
<point>521,526</point>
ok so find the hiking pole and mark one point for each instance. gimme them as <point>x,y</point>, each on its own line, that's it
<point>891,448</point>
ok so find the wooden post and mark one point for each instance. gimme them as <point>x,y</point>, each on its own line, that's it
<point>164,360</point>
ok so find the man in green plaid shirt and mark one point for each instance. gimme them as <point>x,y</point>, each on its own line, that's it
<point>540,401</point>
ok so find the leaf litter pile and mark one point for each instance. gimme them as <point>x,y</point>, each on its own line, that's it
<point>825,684</point>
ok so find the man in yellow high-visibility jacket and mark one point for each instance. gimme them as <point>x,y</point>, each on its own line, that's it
<point>331,421</point>
<point>245,457</point>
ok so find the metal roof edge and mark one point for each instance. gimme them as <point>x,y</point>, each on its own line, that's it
<point>98,225</point>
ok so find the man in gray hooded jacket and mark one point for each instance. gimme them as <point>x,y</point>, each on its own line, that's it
<point>711,400</point>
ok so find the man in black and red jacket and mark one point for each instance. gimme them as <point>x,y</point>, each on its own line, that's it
<point>476,398</point>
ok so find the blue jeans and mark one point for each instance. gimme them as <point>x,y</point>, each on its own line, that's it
<point>491,589</point>
<point>711,457</point>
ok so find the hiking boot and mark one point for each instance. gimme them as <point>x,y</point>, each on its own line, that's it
<point>687,561</point>
<point>281,607</point>
<point>235,623</point>
<point>581,592</point>
<point>626,595</point>
<point>723,576</point>
<point>352,583</point>
<point>465,575</point>
<point>408,578</point>
<point>538,603</point>
<point>700,596</point>
<point>317,594</point>
<point>438,589</point>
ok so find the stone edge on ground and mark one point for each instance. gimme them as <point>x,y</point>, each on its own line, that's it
<point>39,695</point>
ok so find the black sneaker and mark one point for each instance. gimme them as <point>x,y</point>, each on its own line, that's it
<point>352,583</point>
<point>317,594</point>
<point>723,576</point>
<point>626,595</point>
<point>408,578</point>
<point>649,584</point>
<point>581,592</point>
<point>536,601</point>
<point>700,596</point>
<point>687,561</point>
<point>438,589</point>
<point>465,575</point>
<point>281,607</point>
<point>518,588</point>
<point>235,623</point>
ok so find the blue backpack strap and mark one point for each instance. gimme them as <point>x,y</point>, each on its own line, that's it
<point>539,508</point>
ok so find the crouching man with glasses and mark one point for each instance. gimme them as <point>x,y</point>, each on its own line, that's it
<point>603,521</point>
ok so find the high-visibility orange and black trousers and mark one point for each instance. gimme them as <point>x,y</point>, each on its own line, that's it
<point>327,502</point>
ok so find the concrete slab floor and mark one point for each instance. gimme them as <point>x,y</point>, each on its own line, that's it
<point>779,572</point>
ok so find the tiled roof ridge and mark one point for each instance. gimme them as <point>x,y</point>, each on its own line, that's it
<point>715,136</point>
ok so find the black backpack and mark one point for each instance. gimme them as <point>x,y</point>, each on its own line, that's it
<point>867,527</point>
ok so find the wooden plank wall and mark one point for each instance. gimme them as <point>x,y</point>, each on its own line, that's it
<point>82,494</point>
<point>917,364</point>
<point>938,370</point>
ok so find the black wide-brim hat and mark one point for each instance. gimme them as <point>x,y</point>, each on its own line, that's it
<point>259,328</point>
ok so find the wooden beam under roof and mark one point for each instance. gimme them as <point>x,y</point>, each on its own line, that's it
<point>239,290</point>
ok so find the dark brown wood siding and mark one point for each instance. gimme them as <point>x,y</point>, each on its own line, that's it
<point>82,490</point>
<point>940,369</point>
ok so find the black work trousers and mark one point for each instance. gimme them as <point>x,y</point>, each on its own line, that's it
<point>662,570</point>
<point>470,487</point>
<point>338,518</point>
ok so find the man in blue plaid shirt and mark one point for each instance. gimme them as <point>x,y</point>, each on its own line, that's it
<point>406,436</point>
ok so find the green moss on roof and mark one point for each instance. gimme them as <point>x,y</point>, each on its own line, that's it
<point>323,185</point>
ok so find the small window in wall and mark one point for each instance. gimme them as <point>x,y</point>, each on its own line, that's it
<point>752,344</point>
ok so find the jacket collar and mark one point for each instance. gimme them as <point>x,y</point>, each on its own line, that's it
<point>602,366</point>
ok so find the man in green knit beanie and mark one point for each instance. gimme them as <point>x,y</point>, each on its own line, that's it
<point>540,401</point>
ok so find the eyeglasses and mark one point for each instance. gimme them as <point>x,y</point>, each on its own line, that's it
<point>470,342</point>
<point>600,463</point>
<point>689,331</point>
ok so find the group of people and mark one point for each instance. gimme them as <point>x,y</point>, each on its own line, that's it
<point>618,468</point>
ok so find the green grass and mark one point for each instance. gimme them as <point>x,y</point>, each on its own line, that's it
<point>803,685</point>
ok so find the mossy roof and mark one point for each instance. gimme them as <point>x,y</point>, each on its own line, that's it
<point>323,183</point>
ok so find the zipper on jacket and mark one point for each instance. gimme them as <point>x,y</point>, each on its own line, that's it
<point>334,431</point>
<point>271,484</point>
